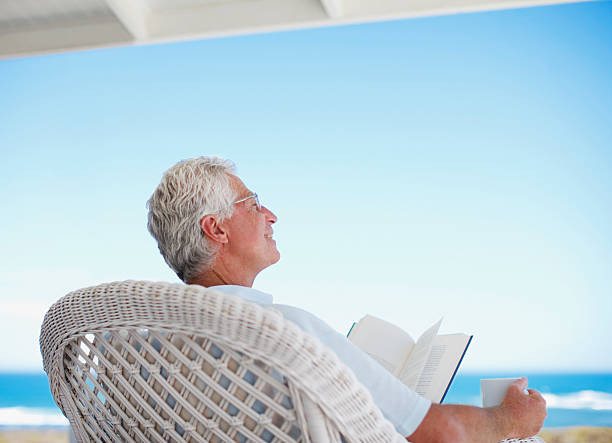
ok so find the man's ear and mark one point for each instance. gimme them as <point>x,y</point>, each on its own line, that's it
<point>213,229</point>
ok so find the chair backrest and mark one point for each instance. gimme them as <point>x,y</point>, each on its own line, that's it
<point>146,362</point>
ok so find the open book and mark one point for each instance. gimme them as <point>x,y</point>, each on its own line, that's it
<point>427,366</point>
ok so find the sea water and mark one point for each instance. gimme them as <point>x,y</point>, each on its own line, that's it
<point>572,399</point>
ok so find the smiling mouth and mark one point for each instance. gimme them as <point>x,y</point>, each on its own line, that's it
<point>268,235</point>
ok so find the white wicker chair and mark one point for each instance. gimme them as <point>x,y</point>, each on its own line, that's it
<point>150,362</point>
<point>141,361</point>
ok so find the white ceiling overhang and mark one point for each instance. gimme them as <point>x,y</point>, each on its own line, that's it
<point>29,27</point>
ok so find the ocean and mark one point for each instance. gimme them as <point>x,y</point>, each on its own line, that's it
<point>572,399</point>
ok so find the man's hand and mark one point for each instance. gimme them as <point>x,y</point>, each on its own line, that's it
<point>522,412</point>
<point>519,416</point>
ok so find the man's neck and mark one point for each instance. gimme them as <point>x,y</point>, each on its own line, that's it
<point>219,275</point>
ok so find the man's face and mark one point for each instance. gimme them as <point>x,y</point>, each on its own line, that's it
<point>249,231</point>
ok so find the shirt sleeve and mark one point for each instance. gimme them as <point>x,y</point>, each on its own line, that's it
<point>403,407</point>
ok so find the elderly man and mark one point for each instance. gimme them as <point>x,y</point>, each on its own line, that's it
<point>213,231</point>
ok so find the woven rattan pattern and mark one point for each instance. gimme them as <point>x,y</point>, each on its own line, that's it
<point>142,361</point>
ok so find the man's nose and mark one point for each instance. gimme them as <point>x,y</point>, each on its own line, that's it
<point>270,216</point>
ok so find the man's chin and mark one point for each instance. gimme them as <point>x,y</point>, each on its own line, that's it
<point>276,258</point>
<point>269,259</point>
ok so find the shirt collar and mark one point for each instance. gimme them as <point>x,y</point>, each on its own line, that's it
<point>248,294</point>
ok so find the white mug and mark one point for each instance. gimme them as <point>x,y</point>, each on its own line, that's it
<point>493,390</point>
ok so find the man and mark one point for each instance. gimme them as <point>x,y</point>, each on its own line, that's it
<point>213,231</point>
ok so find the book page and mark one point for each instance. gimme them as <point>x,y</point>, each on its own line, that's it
<point>413,366</point>
<point>441,365</point>
<point>384,342</point>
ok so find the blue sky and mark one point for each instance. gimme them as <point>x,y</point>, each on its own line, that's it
<point>453,166</point>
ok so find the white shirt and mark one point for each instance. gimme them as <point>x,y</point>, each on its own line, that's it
<point>404,408</point>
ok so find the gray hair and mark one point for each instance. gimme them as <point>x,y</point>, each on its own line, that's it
<point>188,191</point>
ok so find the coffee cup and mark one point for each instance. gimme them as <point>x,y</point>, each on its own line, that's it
<point>493,390</point>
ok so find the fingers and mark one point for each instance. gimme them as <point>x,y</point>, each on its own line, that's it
<point>520,384</point>
<point>536,394</point>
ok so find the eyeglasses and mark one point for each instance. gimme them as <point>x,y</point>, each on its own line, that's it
<point>249,197</point>
<point>243,200</point>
